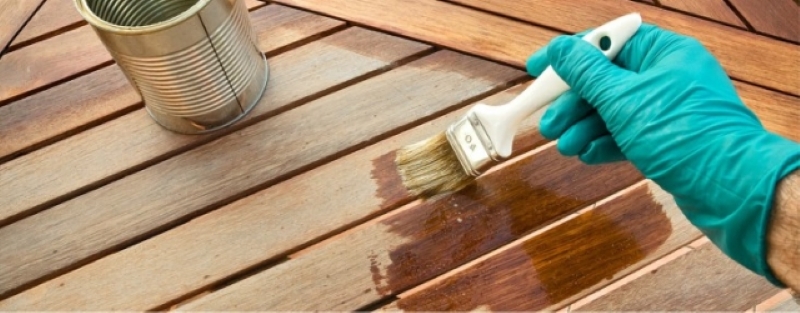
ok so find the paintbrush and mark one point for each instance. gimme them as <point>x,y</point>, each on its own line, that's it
<point>452,160</point>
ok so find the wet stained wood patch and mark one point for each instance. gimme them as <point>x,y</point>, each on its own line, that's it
<point>299,206</point>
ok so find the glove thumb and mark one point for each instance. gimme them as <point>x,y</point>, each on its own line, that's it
<point>586,70</point>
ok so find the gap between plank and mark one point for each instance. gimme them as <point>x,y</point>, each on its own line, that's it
<point>530,235</point>
<point>194,295</point>
<point>79,73</point>
<point>47,36</point>
<point>345,228</point>
<point>213,206</point>
<point>5,49</point>
<point>55,83</point>
<point>400,35</point>
<point>117,176</point>
<point>500,15</point>
<point>69,133</point>
<point>140,105</point>
<point>740,16</point>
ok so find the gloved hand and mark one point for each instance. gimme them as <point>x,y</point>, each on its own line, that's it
<point>666,105</point>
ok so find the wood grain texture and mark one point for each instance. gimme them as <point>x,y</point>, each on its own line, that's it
<point>14,14</point>
<point>744,55</point>
<point>779,18</point>
<point>23,190</point>
<point>249,159</point>
<point>57,15</point>
<point>51,61</point>
<point>704,279</point>
<point>778,112</point>
<point>444,24</point>
<point>53,112</point>
<point>263,226</point>
<point>716,10</point>
<point>54,16</point>
<point>425,239</point>
<point>47,115</point>
<point>564,262</point>
<point>788,305</point>
<point>506,41</point>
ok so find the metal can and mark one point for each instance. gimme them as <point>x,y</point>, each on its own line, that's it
<point>195,63</point>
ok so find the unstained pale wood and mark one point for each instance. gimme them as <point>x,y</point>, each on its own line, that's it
<point>244,160</point>
<point>714,9</point>
<point>705,280</point>
<point>54,15</point>
<point>463,29</point>
<point>451,26</point>
<point>511,42</point>
<point>53,112</point>
<point>422,240</point>
<point>775,17</point>
<point>81,160</point>
<point>13,15</point>
<point>51,61</point>
<point>788,305</point>
<point>545,270</point>
<point>47,115</point>
<point>263,226</point>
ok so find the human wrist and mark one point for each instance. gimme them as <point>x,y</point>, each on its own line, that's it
<point>783,235</point>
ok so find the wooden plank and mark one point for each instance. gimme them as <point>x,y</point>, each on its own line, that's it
<point>50,62</point>
<point>441,23</point>
<point>716,10</point>
<point>14,15</point>
<point>778,112</point>
<point>425,239</point>
<point>54,16</point>
<point>57,15</point>
<point>704,279</point>
<point>273,222</point>
<point>512,42</point>
<point>776,67</point>
<point>23,190</point>
<point>49,115</point>
<point>779,18</point>
<point>568,260</point>
<point>783,301</point>
<point>285,145</point>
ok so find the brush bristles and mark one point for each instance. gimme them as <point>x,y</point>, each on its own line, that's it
<point>431,167</point>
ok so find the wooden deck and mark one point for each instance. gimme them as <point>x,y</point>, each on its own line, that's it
<point>298,206</point>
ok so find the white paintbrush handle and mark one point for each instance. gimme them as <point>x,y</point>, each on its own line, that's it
<point>501,122</point>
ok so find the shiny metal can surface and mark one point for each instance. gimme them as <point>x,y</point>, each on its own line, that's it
<point>195,63</point>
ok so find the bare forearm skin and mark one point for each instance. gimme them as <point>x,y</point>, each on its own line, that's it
<point>783,237</point>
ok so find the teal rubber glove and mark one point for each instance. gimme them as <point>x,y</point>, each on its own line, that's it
<point>666,105</point>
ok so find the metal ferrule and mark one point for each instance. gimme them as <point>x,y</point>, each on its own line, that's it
<point>472,145</point>
<point>195,63</point>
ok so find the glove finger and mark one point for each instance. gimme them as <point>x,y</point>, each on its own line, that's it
<point>565,111</point>
<point>579,136</point>
<point>538,61</point>
<point>602,150</point>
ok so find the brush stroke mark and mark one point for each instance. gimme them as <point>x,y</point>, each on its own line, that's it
<point>451,230</point>
<point>557,264</point>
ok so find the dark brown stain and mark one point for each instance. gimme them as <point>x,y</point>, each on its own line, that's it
<point>557,264</point>
<point>377,278</point>
<point>448,231</point>
<point>390,185</point>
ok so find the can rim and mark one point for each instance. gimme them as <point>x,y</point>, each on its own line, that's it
<point>96,21</point>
